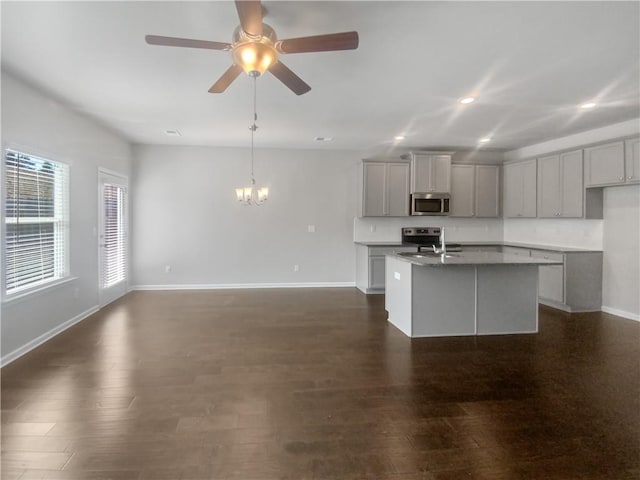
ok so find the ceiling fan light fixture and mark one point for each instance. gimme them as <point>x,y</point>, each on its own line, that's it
<point>255,58</point>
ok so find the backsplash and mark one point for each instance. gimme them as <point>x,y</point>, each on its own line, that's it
<point>387,229</point>
<point>574,232</point>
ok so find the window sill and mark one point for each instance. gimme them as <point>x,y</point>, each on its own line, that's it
<point>36,291</point>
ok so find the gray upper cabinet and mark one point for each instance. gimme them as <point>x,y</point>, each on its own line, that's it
<point>385,191</point>
<point>430,173</point>
<point>475,190</point>
<point>462,190</point>
<point>560,188</point>
<point>604,165</point>
<point>632,160</point>
<point>520,189</point>
<point>487,191</point>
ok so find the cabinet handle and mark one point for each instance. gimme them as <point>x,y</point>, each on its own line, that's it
<point>629,177</point>
<point>621,178</point>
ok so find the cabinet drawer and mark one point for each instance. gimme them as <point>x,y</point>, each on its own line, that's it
<point>481,248</point>
<point>516,251</point>
<point>382,251</point>
<point>547,255</point>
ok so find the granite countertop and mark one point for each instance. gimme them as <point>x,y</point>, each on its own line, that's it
<point>534,246</point>
<point>474,258</point>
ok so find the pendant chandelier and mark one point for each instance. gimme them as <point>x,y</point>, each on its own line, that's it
<point>253,195</point>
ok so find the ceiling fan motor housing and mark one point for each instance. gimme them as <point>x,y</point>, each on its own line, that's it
<point>254,54</point>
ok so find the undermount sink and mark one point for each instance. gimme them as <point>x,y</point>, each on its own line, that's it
<point>425,255</point>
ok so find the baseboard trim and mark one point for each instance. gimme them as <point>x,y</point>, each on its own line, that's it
<point>567,308</point>
<point>36,342</point>
<point>227,286</point>
<point>621,313</point>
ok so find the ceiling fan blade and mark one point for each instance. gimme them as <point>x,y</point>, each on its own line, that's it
<point>186,42</point>
<point>225,80</point>
<point>290,79</point>
<point>250,13</point>
<point>319,43</point>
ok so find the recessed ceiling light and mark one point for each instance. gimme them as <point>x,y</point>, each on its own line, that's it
<point>467,100</point>
<point>323,139</point>
<point>485,139</point>
<point>588,105</point>
<point>399,137</point>
<point>173,133</point>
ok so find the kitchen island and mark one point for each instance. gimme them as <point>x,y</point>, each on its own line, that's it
<point>466,293</point>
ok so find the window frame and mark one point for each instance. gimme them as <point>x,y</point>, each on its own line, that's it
<point>61,226</point>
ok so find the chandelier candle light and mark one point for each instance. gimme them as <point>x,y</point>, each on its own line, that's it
<point>253,195</point>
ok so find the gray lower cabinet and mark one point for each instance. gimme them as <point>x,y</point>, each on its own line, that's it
<point>574,286</point>
<point>370,265</point>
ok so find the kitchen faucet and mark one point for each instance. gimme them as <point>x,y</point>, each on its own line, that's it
<point>443,246</point>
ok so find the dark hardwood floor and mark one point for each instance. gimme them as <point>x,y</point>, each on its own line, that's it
<point>315,384</point>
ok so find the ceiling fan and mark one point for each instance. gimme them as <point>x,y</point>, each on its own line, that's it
<point>255,48</point>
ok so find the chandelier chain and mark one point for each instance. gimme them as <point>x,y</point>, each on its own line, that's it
<point>253,128</point>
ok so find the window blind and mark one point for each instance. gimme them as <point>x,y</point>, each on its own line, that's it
<point>36,221</point>
<point>114,248</point>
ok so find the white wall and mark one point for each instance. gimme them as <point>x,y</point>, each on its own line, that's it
<point>37,124</point>
<point>621,269</point>
<point>185,215</point>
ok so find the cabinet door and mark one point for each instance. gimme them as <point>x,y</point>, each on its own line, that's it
<point>529,176</point>
<point>513,190</point>
<point>571,186</point>
<point>373,195</point>
<point>420,173</point>
<point>376,272</point>
<point>632,160</point>
<point>550,277</point>
<point>487,187</point>
<point>441,173</point>
<point>604,164</point>
<point>549,186</point>
<point>551,283</point>
<point>397,189</point>
<point>462,190</point>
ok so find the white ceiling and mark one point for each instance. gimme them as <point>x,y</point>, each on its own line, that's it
<point>530,64</point>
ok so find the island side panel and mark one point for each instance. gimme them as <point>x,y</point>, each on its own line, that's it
<point>443,301</point>
<point>397,300</point>
<point>507,299</point>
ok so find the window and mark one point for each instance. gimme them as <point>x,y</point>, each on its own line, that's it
<point>36,221</point>
<point>113,252</point>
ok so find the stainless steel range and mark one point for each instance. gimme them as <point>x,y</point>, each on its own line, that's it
<point>426,238</point>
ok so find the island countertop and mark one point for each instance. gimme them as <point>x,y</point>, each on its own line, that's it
<point>466,243</point>
<point>473,259</point>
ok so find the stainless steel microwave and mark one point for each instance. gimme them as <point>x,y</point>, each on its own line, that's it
<point>430,203</point>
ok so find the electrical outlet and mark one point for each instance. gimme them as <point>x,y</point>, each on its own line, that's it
<point>167,268</point>
<point>311,229</point>
<point>296,268</point>
<point>372,228</point>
